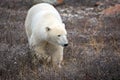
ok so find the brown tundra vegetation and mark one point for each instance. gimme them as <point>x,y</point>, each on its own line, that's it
<point>94,42</point>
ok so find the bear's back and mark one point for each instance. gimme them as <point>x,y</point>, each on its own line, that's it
<point>39,11</point>
<point>40,8</point>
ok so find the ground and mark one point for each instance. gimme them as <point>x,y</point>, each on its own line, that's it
<point>94,42</point>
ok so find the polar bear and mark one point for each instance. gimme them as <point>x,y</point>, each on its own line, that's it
<point>46,32</point>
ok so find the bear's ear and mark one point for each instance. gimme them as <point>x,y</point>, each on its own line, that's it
<point>48,29</point>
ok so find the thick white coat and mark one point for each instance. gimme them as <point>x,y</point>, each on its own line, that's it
<point>39,18</point>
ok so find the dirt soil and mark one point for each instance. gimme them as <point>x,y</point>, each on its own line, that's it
<point>94,42</point>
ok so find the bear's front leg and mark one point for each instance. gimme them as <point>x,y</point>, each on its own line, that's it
<point>41,53</point>
<point>38,47</point>
<point>57,56</point>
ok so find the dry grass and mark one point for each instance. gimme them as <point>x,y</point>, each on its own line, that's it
<point>93,52</point>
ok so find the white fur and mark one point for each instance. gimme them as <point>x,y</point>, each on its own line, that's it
<point>39,18</point>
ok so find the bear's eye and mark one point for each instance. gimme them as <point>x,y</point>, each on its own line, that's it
<point>59,35</point>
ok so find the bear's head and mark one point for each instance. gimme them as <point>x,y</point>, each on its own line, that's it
<point>56,34</point>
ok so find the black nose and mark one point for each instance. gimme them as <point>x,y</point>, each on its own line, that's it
<point>65,44</point>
